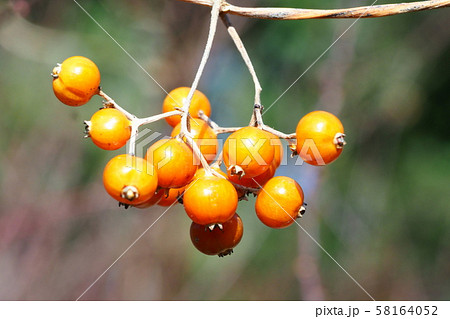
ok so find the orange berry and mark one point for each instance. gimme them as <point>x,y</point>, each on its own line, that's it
<point>76,80</point>
<point>153,200</point>
<point>279,202</point>
<point>202,172</point>
<point>320,138</point>
<point>254,182</point>
<point>175,99</point>
<point>129,179</point>
<point>210,200</point>
<point>248,152</point>
<point>217,241</point>
<point>278,155</point>
<point>204,136</point>
<point>174,162</point>
<point>171,195</point>
<point>109,129</point>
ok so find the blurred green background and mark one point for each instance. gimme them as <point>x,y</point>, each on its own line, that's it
<point>381,210</point>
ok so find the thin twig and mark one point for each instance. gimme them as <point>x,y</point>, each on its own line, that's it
<point>222,130</point>
<point>197,153</point>
<point>206,118</point>
<point>157,117</point>
<point>275,132</point>
<point>135,122</point>
<point>110,101</point>
<point>184,131</point>
<point>245,188</point>
<point>216,128</point>
<point>257,115</point>
<point>346,13</point>
<point>212,31</point>
<point>133,137</point>
<point>240,46</point>
<point>248,62</point>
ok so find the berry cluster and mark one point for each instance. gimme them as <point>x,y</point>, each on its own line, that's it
<point>185,168</point>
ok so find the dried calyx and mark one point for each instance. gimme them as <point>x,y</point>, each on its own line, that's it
<point>236,170</point>
<point>56,70</point>
<point>301,211</point>
<point>130,193</point>
<point>339,140</point>
<point>225,252</point>
<point>87,128</point>
<point>212,226</point>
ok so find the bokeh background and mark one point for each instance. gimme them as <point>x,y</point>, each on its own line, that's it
<point>381,210</point>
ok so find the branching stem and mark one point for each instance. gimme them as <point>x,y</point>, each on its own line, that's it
<point>240,46</point>
<point>134,120</point>
<point>375,11</point>
<point>184,131</point>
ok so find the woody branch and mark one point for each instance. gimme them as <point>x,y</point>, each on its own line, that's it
<point>375,11</point>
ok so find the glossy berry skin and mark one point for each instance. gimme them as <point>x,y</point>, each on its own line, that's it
<point>129,179</point>
<point>248,149</point>
<point>210,200</point>
<point>218,241</point>
<point>258,181</point>
<point>170,196</point>
<point>279,202</point>
<point>316,138</point>
<point>202,172</point>
<point>109,129</point>
<point>76,80</point>
<point>254,182</point>
<point>278,147</point>
<point>174,162</point>
<point>153,200</point>
<point>175,99</point>
<point>204,136</point>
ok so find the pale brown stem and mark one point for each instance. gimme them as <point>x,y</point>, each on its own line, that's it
<point>375,11</point>
<point>110,101</point>
<point>257,116</point>
<point>222,130</point>
<point>154,118</point>
<point>240,46</point>
<point>216,128</point>
<point>206,118</point>
<point>135,122</point>
<point>185,130</point>
<point>275,132</point>
<point>247,189</point>
<point>216,4</point>
<point>248,62</point>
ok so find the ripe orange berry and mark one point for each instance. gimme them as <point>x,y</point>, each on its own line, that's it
<point>109,129</point>
<point>175,99</point>
<point>174,162</point>
<point>278,155</point>
<point>210,200</point>
<point>171,195</point>
<point>247,152</point>
<point>168,196</point>
<point>202,172</point>
<point>254,182</point>
<point>129,179</point>
<point>204,136</point>
<point>218,241</point>
<point>279,202</point>
<point>320,138</point>
<point>153,200</point>
<point>76,80</point>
